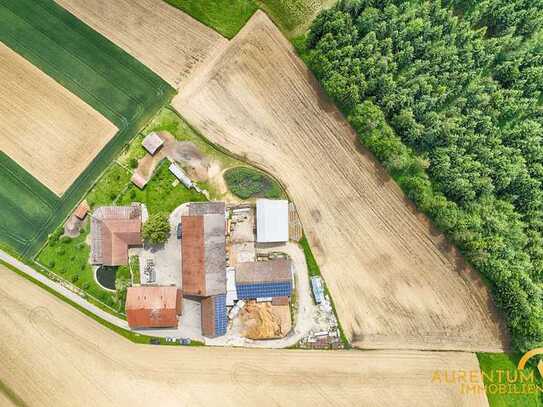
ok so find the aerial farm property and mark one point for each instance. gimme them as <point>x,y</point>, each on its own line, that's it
<point>181,172</point>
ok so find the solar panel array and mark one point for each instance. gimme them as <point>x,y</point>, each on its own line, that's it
<point>220,314</point>
<point>259,290</point>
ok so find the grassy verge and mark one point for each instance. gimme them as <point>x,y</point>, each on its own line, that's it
<point>131,336</point>
<point>226,17</point>
<point>247,183</point>
<point>491,364</point>
<point>314,270</point>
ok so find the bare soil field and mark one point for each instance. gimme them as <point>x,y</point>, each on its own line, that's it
<point>395,281</point>
<point>54,355</point>
<point>47,130</point>
<point>168,41</point>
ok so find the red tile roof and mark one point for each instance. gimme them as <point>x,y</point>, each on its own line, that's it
<point>82,210</point>
<point>113,230</point>
<point>153,307</point>
<point>193,255</point>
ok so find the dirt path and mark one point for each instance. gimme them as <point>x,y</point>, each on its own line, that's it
<point>54,355</point>
<point>168,41</point>
<point>395,281</point>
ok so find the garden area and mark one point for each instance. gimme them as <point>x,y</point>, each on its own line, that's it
<point>248,183</point>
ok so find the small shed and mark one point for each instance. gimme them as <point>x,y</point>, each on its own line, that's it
<point>152,143</point>
<point>271,221</point>
<point>82,210</point>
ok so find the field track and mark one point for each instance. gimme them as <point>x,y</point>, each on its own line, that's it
<point>54,355</point>
<point>55,144</point>
<point>165,39</point>
<point>395,281</point>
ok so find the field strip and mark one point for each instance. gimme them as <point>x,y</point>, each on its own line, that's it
<point>49,131</point>
<point>41,334</point>
<point>395,281</point>
<point>168,41</point>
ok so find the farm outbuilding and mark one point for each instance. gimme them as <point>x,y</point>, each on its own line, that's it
<point>113,230</point>
<point>271,221</point>
<point>264,279</point>
<point>152,143</point>
<point>203,250</point>
<point>153,307</point>
<point>82,210</point>
<point>180,175</point>
<point>214,318</point>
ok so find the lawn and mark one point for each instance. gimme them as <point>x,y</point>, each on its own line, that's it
<point>496,362</point>
<point>163,193</point>
<point>247,183</point>
<point>110,186</point>
<point>100,73</point>
<point>226,17</point>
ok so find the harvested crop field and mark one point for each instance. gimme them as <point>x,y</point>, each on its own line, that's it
<point>54,355</point>
<point>395,281</point>
<point>165,39</point>
<point>55,144</point>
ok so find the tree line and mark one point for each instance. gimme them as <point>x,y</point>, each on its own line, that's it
<point>447,95</point>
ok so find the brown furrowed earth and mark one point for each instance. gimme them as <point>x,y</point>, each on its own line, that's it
<point>54,355</point>
<point>166,40</point>
<point>47,130</point>
<point>395,281</point>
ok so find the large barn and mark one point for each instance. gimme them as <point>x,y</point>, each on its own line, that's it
<point>203,250</point>
<point>271,221</point>
<point>264,279</point>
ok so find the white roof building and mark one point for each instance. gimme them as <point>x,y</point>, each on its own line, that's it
<point>271,221</point>
<point>180,175</point>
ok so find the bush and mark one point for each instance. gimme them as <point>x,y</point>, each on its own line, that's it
<point>51,264</point>
<point>85,286</point>
<point>74,278</point>
<point>246,183</point>
<point>133,163</point>
<point>157,228</point>
<point>61,252</point>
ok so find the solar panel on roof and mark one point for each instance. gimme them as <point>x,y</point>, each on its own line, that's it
<point>277,289</point>
<point>220,314</point>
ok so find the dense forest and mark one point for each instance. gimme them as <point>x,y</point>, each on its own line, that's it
<point>447,95</point>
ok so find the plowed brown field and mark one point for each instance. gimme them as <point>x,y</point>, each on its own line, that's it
<point>168,41</point>
<point>395,281</point>
<point>52,355</point>
<point>47,130</point>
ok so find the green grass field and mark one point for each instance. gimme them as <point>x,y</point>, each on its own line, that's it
<point>496,362</point>
<point>224,16</point>
<point>227,17</point>
<point>100,73</point>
